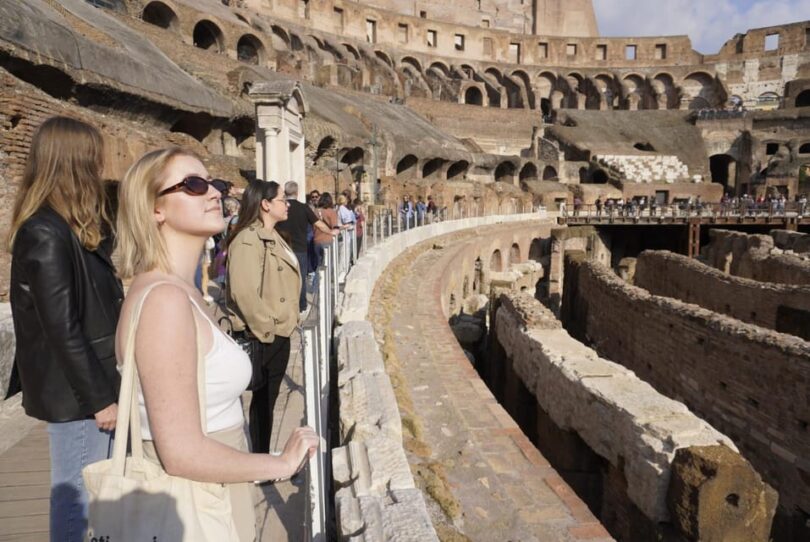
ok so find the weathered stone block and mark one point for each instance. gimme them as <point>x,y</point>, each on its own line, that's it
<point>715,495</point>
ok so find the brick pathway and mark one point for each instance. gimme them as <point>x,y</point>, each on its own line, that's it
<point>505,488</point>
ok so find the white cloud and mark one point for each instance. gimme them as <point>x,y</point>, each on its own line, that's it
<point>708,22</point>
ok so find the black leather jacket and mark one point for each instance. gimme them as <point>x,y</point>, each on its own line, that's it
<point>65,302</point>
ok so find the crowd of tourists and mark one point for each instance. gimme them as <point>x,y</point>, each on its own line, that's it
<point>107,344</point>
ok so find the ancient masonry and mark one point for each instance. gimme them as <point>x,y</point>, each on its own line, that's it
<point>504,373</point>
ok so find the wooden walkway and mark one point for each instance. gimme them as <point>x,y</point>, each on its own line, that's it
<point>25,487</point>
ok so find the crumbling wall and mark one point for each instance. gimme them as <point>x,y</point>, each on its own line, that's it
<point>622,419</point>
<point>781,307</point>
<point>753,257</point>
<point>748,382</point>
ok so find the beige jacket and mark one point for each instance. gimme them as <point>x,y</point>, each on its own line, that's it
<point>264,283</point>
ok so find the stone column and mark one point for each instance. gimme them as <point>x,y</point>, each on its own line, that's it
<point>280,156</point>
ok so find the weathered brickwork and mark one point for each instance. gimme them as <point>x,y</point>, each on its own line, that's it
<point>781,307</point>
<point>748,382</point>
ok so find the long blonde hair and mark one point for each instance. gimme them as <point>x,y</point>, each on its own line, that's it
<point>141,248</point>
<point>63,172</point>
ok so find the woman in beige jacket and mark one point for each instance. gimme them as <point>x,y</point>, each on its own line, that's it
<point>264,284</point>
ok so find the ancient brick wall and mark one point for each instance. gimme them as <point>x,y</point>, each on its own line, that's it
<point>748,382</point>
<point>753,257</point>
<point>781,307</point>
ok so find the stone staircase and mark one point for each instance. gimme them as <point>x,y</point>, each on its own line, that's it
<point>649,169</point>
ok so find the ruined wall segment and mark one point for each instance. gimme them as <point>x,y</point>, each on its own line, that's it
<point>781,307</point>
<point>575,18</point>
<point>748,382</point>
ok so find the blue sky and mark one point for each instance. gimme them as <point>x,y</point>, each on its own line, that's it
<point>708,22</point>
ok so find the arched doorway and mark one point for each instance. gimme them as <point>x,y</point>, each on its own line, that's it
<point>458,170</point>
<point>505,172</point>
<point>473,96</point>
<point>528,172</point>
<point>208,36</point>
<point>159,14</point>
<point>496,262</point>
<point>724,170</point>
<point>549,173</point>
<point>514,254</point>
<point>249,49</point>
<point>406,167</point>
<point>803,99</point>
<point>432,168</point>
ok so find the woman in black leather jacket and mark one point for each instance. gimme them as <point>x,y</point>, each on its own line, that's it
<point>65,300</point>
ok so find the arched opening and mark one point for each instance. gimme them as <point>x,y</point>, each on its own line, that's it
<point>514,254</point>
<point>505,173</point>
<point>439,68</point>
<point>545,106</point>
<point>473,96</point>
<point>599,177</point>
<point>549,173</point>
<point>411,61</point>
<point>353,156</point>
<point>281,41</point>
<point>804,149</point>
<point>644,146</point>
<point>583,175</point>
<point>385,58</point>
<point>803,99</point>
<point>496,262</point>
<point>457,170</point>
<point>528,172</point>
<point>208,36</point>
<point>249,49</point>
<point>325,147</point>
<point>536,250</point>
<point>197,125</point>
<point>352,51</point>
<point>431,168</point>
<point>723,169</point>
<point>406,167</point>
<point>159,14</point>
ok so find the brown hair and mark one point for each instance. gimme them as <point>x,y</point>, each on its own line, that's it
<point>63,172</point>
<point>140,244</point>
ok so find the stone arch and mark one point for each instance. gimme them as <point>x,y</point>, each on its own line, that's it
<point>467,70</point>
<point>160,14</point>
<point>353,156</point>
<point>432,168</point>
<point>723,170</point>
<point>328,47</point>
<point>280,38</point>
<point>441,67</point>
<point>296,43</point>
<point>545,83</point>
<point>803,99</point>
<point>413,62</point>
<point>496,261</point>
<point>326,146</point>
<point>197,125</point>
<point>473,96</point>
<point>667,93</point>
<point>528,172</point>
<point>383,56</point>
<point>407,167</point>
<point>208,35</point>
<point>536,250</point>
<point>352,50</point>
<point>514,97</point>
<point>505,173</point>
<point>458,170</point>
<point>549,173</point>
<point>702,85</point>
<point>768,100</point>
<point>526,82</point>
<point>636,93</point>
<point>514,254</point>
<point>804,148</point>
<point>250,49</point>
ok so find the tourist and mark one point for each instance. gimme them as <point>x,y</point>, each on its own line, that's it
<point>169,207</point>
<point>327,213</point>
<point>261,262</point>
<point>65,300</point>
<point>431,208</point>
<point>300,218</point>
<point>802,204</point>
<point>405,211</point>
<point>345,215</point>
<point>598,204</point>
<point>360,226</point>
<point>421,209</point>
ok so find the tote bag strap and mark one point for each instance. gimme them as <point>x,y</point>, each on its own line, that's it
<point>128,407</point>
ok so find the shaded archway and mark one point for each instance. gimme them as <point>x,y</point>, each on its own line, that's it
<point>505,173</point>
<point>432,168</point>
<point>549,173</point>
<point>536,250</point>
<point>528,172</point>
<point>496,261</point>
<point>208,36</point>
<point>250,49</point>
<point>458,170</point>
<point>473,96</point>
<point>406,167</point>
<point>804,149</point>
<point>803,99</point>
<point>384,58</point>
<point>325,147</point>
<point>598,176</point>
<point>280,38</point>
<point>723,169</point>
<point>514,254</point>
<point>159,14</point>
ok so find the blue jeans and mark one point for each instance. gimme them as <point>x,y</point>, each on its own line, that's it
<point>73,445</point>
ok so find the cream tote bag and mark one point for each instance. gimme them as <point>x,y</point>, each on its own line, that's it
<point>134,499</point>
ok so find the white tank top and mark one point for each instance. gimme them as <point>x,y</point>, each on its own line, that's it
<point>227,375</point>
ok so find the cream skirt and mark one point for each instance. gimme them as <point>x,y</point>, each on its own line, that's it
<point>242,495</point>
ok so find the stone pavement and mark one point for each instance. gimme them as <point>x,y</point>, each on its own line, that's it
<point>483,479</point>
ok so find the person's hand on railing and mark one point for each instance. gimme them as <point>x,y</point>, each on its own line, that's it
<point>302,444</point>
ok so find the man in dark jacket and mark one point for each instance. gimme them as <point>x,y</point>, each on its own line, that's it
<point>300,217</point>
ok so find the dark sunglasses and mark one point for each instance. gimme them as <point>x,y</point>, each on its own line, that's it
<point>194,185</point>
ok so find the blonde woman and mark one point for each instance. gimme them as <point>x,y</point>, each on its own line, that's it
<point>65,300</point>
<point>169,206</point>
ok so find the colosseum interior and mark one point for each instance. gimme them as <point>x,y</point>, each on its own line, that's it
<point>541,364</point>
